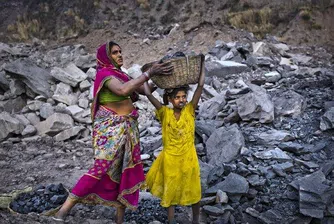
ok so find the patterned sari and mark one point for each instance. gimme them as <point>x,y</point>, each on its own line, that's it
<point>117,174</point>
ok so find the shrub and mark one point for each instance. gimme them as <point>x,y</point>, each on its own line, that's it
<point>25,28</point>
<point>305,14</point>
<point>144,4</point>
<point>253,20</point>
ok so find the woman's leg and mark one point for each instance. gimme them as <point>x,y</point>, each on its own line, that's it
<point>120,215</point>
<point>196,208</point>
<point>170,213</point>
<point>65,209</point>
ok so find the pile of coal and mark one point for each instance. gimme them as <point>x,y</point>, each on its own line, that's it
<point>177,54</point>
<point>149,210</point>
<point>41,199</point>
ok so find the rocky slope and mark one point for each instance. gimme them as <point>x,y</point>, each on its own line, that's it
<point>263,131</point>
<point>264,126</point>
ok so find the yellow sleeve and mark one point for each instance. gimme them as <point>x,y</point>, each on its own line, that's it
<point>160,113</point>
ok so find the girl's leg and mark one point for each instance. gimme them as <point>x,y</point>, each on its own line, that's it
<point>195,208</point>
<point>120,215</point>
<point>170,214</point>
<point>65,209</point>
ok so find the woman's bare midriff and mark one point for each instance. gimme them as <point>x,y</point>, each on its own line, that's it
<point>123,107</point>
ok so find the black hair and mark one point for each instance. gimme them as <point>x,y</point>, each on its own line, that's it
<point>112,43</point>
<point>109,46</point>
<point>172,93</point>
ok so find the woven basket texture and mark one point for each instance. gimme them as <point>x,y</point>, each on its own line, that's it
<point>186,71</point>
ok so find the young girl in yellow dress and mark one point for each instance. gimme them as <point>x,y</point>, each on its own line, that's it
<point>174,176</point>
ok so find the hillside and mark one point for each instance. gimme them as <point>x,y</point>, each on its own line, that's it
<point>135,22</point>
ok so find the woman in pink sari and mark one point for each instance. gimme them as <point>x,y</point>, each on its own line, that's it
<point>117,173</point>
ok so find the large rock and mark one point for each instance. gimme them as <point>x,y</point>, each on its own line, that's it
<point>289,103</point>
<point>71,74</point>
<point>68,133</point>
<point>273,154</point>
<point>149,143</point>
<point>207,127</point>
<point>66,54</point>
<point>205,171</point>
<point>210,108</point>
<point>273,136</point>
<point>8,125</point>
<point>46,110</point>
<point>223,68</point>
<point>313,194</point>
<point>261,49</point>
<point>17,87</point>
<point>64,94</point>
<point>327,120</point>
<point>224,145</point>
<point>256,105</point>
<point>36,78</point>
<point>233,184</point>
<point>13,105</point>
<point>54,124</point>
<point>4,82</point>
<point>85,61</point>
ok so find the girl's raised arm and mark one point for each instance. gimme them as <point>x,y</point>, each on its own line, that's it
<point>151,98</point>
<point>200,85</point>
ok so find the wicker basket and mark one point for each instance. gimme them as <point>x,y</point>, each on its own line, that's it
<point>186,71</point>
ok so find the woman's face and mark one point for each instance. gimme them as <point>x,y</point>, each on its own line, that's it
<point>116,55</point>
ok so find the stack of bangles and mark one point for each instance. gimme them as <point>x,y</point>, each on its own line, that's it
<point>147,76</point>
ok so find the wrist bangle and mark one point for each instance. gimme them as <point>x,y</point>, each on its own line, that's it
<point>146,76</point>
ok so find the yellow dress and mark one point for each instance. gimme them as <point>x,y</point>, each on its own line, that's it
<point>174,176</point>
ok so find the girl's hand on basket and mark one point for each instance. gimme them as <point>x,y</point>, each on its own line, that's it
<point>201,78</point>
<point>161,69</point>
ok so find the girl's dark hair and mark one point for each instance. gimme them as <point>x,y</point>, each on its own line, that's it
<point>172,93</point>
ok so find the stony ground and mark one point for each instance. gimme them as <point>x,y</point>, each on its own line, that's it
<point>29,164</point>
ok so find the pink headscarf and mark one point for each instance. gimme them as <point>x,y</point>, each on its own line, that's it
<point>106,68</point>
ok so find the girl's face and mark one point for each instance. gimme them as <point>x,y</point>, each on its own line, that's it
<point>116,55</point>
<point>179,100</point>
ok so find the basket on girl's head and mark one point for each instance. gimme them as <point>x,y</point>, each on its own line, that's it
<point>186,70</point>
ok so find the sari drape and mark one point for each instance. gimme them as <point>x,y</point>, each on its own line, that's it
<point>117,173</point>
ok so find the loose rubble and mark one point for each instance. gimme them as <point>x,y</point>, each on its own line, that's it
<point>264,129</point>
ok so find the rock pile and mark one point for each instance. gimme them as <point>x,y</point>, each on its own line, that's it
<point>264,125</point>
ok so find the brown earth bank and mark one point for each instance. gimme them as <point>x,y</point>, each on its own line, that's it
<point>295,22</point>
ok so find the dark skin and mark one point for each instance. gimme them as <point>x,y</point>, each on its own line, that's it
<point>122,108</point>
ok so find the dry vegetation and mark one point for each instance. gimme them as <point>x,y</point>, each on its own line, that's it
<point>47,22</point>
<point>257,21</point>
<point>63,20</point>
<point>144,4</point>
<point>24,28</point>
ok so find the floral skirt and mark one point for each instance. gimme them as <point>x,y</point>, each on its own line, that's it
<point>117,173</point>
